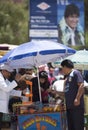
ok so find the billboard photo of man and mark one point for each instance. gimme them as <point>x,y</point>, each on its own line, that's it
<point>70,29</point>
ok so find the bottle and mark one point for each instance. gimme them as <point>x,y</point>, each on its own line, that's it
<point>27,93</point>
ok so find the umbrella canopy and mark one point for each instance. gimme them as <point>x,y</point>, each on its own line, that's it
<point>36,53</point>
<point>4,59</point>
<point>80,59</point>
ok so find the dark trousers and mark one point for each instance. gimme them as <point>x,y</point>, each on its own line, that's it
<point>75,119</point>
<point>1,115</point>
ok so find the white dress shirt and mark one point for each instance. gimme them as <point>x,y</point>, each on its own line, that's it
<point>5,88</point>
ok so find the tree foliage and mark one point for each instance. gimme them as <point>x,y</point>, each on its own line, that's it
<point>13,22</point>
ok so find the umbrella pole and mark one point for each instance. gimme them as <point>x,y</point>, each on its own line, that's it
<point>39,85</point>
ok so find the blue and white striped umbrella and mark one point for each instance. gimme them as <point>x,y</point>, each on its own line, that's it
<point>36,53</point>
<point>4,59</point>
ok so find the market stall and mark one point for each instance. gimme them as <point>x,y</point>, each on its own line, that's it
<point>38,116</point>
<point>40,52</point>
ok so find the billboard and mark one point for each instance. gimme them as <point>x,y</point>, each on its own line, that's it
<point>60,20</point>
<point>43,19</point>
<point>70,15</point>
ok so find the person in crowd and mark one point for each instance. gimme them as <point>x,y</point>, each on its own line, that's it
<point>21,71</point>
<point>29,75</point>
<point>35,89</point>
<point>74,95</point>
<point>5,88</point>
<point>71,33</point>
<point>14,119</point>
<point>18,95</point>
<point>59,74</point>
<point>57,87</point>
<point>51,76</point>
<point>44,84</point>
<point>41,68</point>
<point>30,72</point>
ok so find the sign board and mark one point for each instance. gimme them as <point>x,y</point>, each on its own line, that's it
<point>43,121</point>
<point>70,17</point>
<point>46,21</point>
<point>43,19</point>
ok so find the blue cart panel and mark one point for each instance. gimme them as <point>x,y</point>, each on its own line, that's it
<point>42,121</point>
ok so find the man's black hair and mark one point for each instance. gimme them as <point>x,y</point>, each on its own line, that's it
<point>70,10</point>
<point>67,63</point>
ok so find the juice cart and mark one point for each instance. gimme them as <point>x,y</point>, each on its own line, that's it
<point>38,116</point>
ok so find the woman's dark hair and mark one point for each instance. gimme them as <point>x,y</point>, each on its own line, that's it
<point>43,74</point>
<point>70,10</point>
<point>67,63</point>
